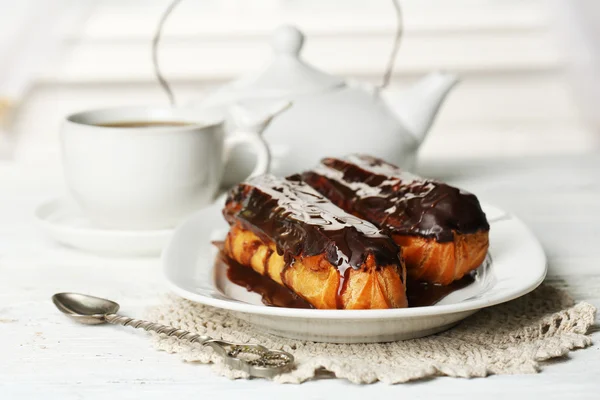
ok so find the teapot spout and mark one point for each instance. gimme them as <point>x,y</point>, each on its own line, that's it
<point>417,107</point>
<point>258,116</point>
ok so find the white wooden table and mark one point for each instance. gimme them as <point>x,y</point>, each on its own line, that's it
<point>44,355</point>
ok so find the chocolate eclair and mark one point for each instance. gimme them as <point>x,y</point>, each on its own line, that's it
<point>286,230</point>
<point>442,229</point>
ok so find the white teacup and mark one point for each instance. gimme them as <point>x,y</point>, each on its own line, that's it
<point>148,177</point>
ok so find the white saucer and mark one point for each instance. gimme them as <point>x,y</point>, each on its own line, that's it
<point>516,265</point>
<point>64,222</point>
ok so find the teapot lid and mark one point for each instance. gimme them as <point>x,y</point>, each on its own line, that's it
<point>286,75</point>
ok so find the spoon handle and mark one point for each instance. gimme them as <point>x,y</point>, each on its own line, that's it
<point>154,327</point>
<point>254,359</point>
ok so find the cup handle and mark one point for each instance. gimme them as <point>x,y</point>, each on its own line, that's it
<point>256,143</point>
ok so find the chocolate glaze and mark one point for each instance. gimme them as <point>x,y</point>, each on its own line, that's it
<point>300,221</point>
<point>396,201</point>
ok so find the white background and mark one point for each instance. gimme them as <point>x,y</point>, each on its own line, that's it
<point>517,96</point>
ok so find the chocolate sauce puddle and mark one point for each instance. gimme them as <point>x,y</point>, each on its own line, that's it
<point>419,294</point>
<point>271,292</point>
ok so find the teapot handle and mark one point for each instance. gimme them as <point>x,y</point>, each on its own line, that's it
<point>155,42</point>
<point>389,69</point>
<point>174,3</point>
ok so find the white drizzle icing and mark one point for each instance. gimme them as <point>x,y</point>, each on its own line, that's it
<point>305,204</point>
<point>394,173</point>
<point>385,169</point>
<point>308,206</point>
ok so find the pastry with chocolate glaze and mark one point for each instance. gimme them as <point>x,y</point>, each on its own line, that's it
<point>442,230</point>
<point>289,232</point>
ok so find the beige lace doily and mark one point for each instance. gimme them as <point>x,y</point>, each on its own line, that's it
<point>506,339</point>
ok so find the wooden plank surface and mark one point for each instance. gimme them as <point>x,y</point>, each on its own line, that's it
<point>46,356</point>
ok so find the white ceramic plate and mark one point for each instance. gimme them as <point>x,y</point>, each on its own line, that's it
<point>63,221</point>
<point>516,265</point>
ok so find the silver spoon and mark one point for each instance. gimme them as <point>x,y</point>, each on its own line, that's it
<point>254,359</point>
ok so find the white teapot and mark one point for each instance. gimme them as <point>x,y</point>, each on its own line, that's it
<point>328,115</point>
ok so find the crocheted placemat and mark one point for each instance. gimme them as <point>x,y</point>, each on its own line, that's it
<point>506,339</point>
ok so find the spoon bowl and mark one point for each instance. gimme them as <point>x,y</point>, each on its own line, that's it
<point>83,308</point>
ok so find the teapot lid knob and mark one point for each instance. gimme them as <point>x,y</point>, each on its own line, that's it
<point>287,39</point>
<point>284,77</point>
